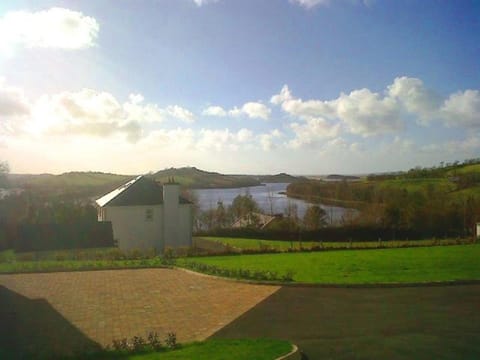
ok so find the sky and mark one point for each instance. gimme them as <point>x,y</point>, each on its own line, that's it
<point>238,86</point>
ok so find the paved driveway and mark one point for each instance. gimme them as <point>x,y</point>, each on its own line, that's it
<point>91,307</point>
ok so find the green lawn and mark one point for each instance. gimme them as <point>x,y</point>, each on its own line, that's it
<point>408,265</point>
<point>259,349</point>
<point>257,244</point>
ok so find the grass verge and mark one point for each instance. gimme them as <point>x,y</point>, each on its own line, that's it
<point>260,349</point>
<point>243,244</point>
<point>389,266</point>
<point>80,265</point>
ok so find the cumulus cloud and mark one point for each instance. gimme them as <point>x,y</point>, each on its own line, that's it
<point>14,108</point>
<point>462,109</point>
<point>204,2</point>
<point>12,101</point>
<point>415,97</point>
<point>267,141</point>
<point>362,112</point>
<point>91,112</point>
<point>366,113</point>
<point>52,28</point>
<point>214,111</point>
<point>180,113</point>
<point>219,140</point>
<point>254,110</point>
<point>312,132</point>
<point>308,4</point>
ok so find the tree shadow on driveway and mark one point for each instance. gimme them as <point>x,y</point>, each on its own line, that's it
<point>441,322</point>
<point>32,328</point>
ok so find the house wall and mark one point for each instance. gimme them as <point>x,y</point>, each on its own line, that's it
<point>133,230</point>
<point>185,222</point>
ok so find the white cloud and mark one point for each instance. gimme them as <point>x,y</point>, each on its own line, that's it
<point>256,110</point>
<point>415,97</point>
<point>462,109</point>
<point>219,140</point>
<point>367,113</point>
<point>267,141</point>
<point>283,96</point>
<point>308,4</point>
<point>12,101</point>
<point>251,109</point>
<point>312,132</point>
<point>214,111</point>
<point>181,113</point>
<point>204,2</point>
<point>363,112</point>
<point>52,28</point>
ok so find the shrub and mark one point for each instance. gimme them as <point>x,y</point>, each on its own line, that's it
<point>171,340</point>
<point>138,344</point>
<point>154,340</point>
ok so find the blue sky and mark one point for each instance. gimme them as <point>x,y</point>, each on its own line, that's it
<point>301,86</point>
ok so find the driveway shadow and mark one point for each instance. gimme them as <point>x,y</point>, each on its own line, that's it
<point>33,329</point>
<point>352,323</point>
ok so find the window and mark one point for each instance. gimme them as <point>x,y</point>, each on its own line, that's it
<point>149,215</point>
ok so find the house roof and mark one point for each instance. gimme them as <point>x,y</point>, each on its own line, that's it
<point>138,191</point>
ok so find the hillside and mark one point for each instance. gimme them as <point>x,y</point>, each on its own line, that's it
<point>71,184</point>
<point>280,178</point>
<point>456,181</point>
<point>194,178</point>
<point>97,183</point>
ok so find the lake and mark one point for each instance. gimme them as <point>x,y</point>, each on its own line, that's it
<point>268,198</point>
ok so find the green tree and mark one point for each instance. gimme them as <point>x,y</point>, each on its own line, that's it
<point>243,205</point>
<point>315,217</point>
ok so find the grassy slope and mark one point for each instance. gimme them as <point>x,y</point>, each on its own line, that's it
<point>364,267</point>
<point>195,178</point>
<point>260,349</point>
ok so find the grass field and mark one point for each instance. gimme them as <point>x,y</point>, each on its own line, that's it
<point>409,265</point>
<point>260,349</point>
<point>258,244</point>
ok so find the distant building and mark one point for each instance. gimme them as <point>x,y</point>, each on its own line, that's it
<point>145,215</point>
<point>257,220</point>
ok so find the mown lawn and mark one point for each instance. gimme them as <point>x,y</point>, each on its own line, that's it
<point>257,244</point>
<point>408,265</point>
<point>259,349</point>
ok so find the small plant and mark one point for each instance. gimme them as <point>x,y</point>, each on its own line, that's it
<point>120,345</point>
<point>154,340</point>
<point>138,343</point>
<point>171,340</point>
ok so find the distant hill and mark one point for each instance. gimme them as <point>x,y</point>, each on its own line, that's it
<point>91,184</point>
<point>280,178</point>
<point>335,177</point>
<point>71,184</point>
<point>194,178</point>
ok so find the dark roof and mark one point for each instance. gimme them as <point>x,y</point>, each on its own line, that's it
<point>139,191</point>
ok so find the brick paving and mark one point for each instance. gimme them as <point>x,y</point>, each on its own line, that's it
<point>113,304</point>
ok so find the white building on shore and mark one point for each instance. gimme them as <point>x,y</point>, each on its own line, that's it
<point>145,214</point>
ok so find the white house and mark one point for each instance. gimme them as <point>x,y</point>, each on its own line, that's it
<point>145,215</point>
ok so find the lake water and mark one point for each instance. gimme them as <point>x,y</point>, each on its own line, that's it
<point>268,198</point>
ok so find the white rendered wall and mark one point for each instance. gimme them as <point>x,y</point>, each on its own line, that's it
<point>171,193</point>
<point>184,235</point>
<point>131,228</point>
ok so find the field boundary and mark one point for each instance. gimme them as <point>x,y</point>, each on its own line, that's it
<point>337,285</point>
